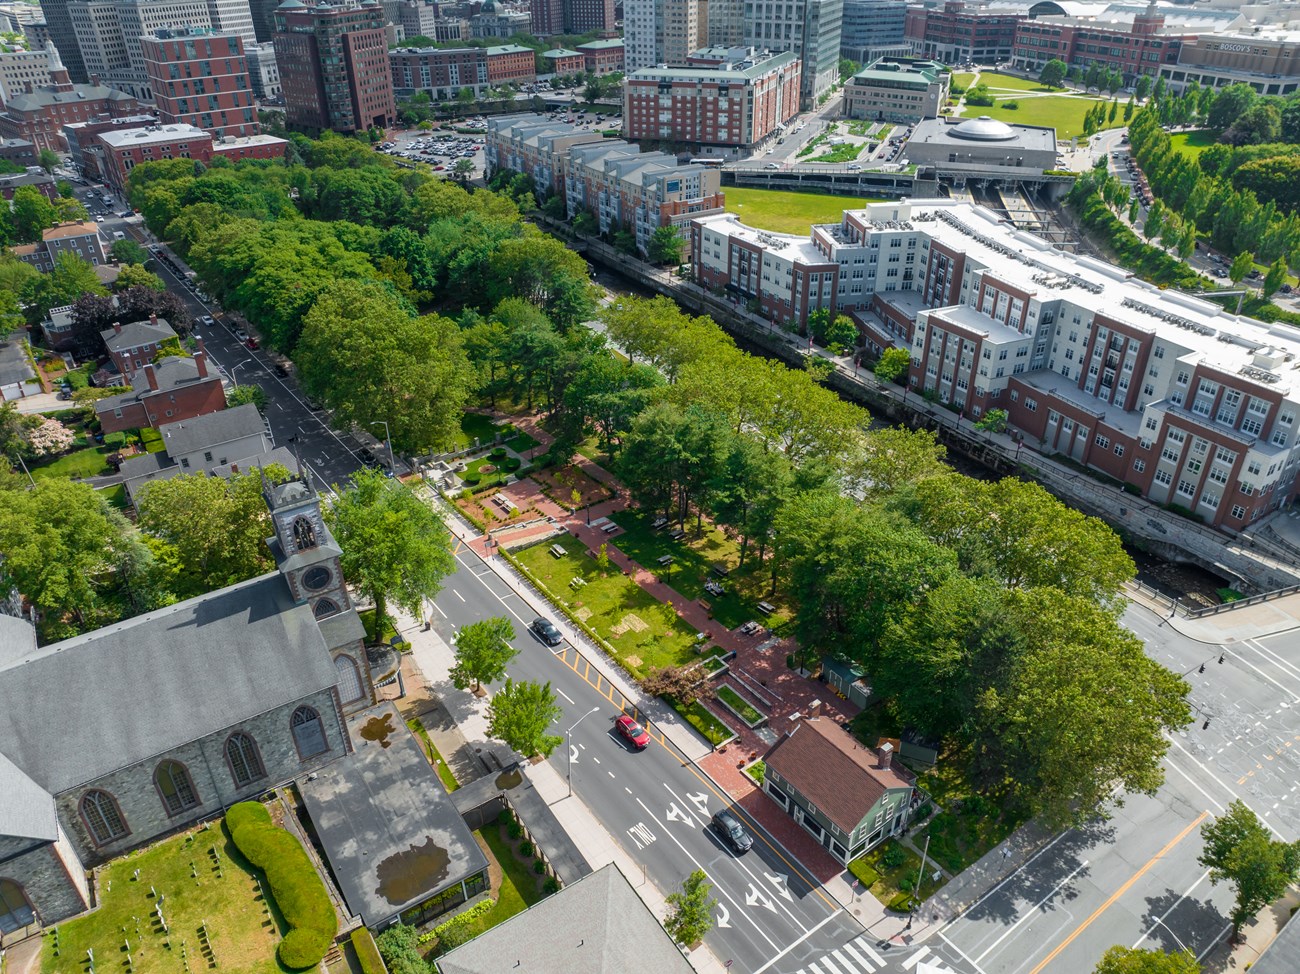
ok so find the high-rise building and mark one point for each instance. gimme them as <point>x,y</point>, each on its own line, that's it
<point>334,67</point>
<point>144,18</point>
<point>873,29</point>
<point>263,71</point>
<point>233,17</point>
<point>263,13</point>
<point>665,32</point>
<point>98,32</point>
<point>548,17</point>
<point>19,68</point>
<point>588,16</point>
<point>809,28</point>
<point>201,79</point>
<point>59,21</point>
<point>726,23</point>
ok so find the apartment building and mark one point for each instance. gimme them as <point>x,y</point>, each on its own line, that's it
<point>622,187</point>
<point>511,64</point>
<point>18,69</point>
<point>40,112</point>
<point>441,72</point>
<point>589,16</point>
<point>118,151</point>
<point>201,79</point>
<point>1191,405</point>
<point>562,61</point>
<point>334,67</point>
<point>810,29</point>
<point>959,32</point>
<point>894,91</point>
<point>873,29</point>
<point>78,239</point>
<point>663,32</point>
<point>738,99</point>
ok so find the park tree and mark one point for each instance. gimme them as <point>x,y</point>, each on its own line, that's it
<point>70,279</point>
<point>665,246</point>
<point>1053,73</point>
<point>1241,265</point>
<point>462,170</point>
<point>1143,87</point>
<point>993,421</point>
<point>842,333</point>
<point>893,365</point>
<point>365,356</point>
<point>607,395</point>
<point>520,714</point>
<point>1239,849</point>
<point>483,651</point>
<point>690,914</point>
<point>1132,960</point>
<point>1275,277</point>
<point>129,252</point>
<point>32,214</point>
<point>889,459</point>
<point>247,394</point>
<point>1230,104</point>
<point>214,527</point>
<point>48,160</point>
<point>684,684</point>
<point>135,275</point>
<point>1258,124</point>
<point>395,547</point>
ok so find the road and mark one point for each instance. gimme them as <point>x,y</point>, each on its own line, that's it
<point>771,916</point>
<point>330,455</point>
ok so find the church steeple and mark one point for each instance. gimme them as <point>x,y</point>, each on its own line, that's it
<point>305,551</point>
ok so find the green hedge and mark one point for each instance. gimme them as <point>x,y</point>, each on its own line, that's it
<point>297,888</point>
<point>460,928</point>
<point>400,947</point>
<point>865,872</point>
<point>367,952</point>
<point>900,903</point>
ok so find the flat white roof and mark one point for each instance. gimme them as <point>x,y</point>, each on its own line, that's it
<point>152,135</point>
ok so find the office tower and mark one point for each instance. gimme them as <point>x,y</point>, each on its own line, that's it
<point>810,28</point>
<point>201,79</point>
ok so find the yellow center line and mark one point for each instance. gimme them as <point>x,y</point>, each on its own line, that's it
<point>1119,892</point>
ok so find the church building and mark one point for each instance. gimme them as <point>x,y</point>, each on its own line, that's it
<point>114,738</point>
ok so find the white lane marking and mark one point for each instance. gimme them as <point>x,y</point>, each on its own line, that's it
<point>1291,693</point>
<point>1025,865</point>
<point>961,953</point>
<point>716,885</point>
<point>861,946</point>
<point>1218,805</point>
<point>565,696</point>
<point>1279,661</point>
<point>1032,912</point>
<point>830,965</point>
<point>439,608</point>
<point>916,958</point>
<point>458,595</point>
<point>1160,920</point>
<point>640,834</point>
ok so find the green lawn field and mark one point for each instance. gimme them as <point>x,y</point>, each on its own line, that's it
<point>1192,144</point>
<point>997,81</point>
<point>1063,112</point>
<point>787,212</point>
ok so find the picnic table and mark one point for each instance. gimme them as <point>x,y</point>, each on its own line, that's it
<point>558,551</point>
<point>678,535</point>
<point>767,608</point>
<point>665,560</point>
<point>609,528</point>
<point>750,628</point>
<point>722,571</point>
<point>659,522</point>
<point>713,588</point>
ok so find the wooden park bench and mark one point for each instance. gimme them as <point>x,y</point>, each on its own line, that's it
<point>558,551</point>
<point>659,522</point>
<point>609,528</point>
<point>767,608</point>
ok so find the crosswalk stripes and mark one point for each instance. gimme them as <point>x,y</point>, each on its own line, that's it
<point>858,957</point>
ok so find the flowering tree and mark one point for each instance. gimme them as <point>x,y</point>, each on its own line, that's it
<point>50,437</point>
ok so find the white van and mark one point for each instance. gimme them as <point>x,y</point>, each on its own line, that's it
<point>119,235</point>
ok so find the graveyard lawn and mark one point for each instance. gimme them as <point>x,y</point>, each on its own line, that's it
<point>242,933</point>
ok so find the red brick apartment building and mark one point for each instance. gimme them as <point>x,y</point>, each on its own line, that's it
<point>740,98</point>
<point>175,389</point>
<point>959,32</point>
<point>440,71</point>
<point>602,57</point>
<point>1170,393</point>
<point>511,63</point>
<point>202,80</point>
<point>334,67</point>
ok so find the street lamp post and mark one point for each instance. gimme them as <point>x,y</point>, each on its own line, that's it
<point>569,747</point>
<point>392,467</point>
<point>233,380</point>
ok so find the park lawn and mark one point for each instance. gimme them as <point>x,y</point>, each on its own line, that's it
<point>695,557</point>
<point>963,79</point>
<point>243,930</point>
<point>650,636</point>
<point>89,461</point>
<point>783,211</point>
<point>1063,112</point>
<point>444,773</point>
<point>845,152</point>
<point>1192,144</point>
<point>477,426</point>
<point>995,81</point>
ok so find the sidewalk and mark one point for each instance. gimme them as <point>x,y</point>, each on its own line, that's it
<point>1229,626</point>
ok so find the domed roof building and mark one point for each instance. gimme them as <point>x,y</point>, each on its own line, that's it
<point>982,148</point>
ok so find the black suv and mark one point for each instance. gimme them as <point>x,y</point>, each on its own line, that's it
<point>732,832</point>
<point>546,631</point>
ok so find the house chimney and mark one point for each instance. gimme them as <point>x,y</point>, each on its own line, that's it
<point>814,710</point>
<point>198,340</point>
<point>153,318</point>
<point>201,360</point>
<point>886,755</point>
<point>117,327</point>
<point>234,468</point>
<point>151,376</point>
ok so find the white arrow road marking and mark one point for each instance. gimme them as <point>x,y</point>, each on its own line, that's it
<point>779,881</point>
<point>754,897</point>
<point>714,880</point>
<point>701,802</point>
<point>675,814</point>
<point>573,753</point>
<point>724,918</point>
<point>641,835</point>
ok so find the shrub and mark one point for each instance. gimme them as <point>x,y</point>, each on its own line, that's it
<point>552,885</point>
<point>906,885</point>
<point>367,953</point>
<point>460,928</point>
<point>505,818</point>
<point>295,885</point>
<point>893,856</point>
<point>511,464</point>
<point>498,453</point>
<point>514,830</point>
<point>539,867</point>
<point>864,872</point>
<point>115,440</point>
<point>525,848</point>
<point>1011,105</point>
<point>400,947</point>
<point>900,903</point>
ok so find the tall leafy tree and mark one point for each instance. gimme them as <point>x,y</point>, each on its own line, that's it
<point>395,547</point>
<point>690,914</point>
<point>369,359</point>
<point>1241,851</point>
<point>1130,960</point>
<point>32,214</point>
<point>1053,73</point>
<point>483,651</point>
<point>520,714</point>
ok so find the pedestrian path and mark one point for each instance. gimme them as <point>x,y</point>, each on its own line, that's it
<point>861,957</point>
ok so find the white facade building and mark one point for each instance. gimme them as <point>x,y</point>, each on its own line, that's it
<point>809,28</point>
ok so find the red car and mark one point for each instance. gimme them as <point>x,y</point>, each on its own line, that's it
<point>634,733</point>
<point>252,343</point>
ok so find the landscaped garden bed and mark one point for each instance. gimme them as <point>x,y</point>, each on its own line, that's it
<point>890,872</point>
<point>968,825</point>
<point>737,704</point>
<point>559,484</point>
